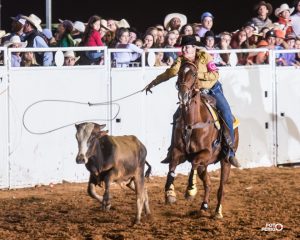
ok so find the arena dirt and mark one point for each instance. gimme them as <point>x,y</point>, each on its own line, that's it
<point>254,198</point>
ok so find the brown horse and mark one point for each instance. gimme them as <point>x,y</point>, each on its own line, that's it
<point>197,140</point>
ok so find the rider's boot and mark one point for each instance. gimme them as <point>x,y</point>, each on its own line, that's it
<point>231,154</point>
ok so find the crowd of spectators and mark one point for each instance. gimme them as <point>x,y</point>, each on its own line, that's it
<point>259,32</point>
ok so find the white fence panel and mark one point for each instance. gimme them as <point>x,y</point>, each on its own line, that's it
<point>288,115</point>
<point>249,93</point>
<point>50,157</point>
<point>4,165</point>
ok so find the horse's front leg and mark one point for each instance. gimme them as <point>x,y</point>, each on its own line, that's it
<point>225,171</point>
<point>170,194</point>
<point>204,176</point>
<point>198,166</point>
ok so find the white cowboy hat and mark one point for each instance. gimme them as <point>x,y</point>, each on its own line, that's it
<point>168,18</point>
<point>71,54</point>
<point>2,33</point>
<point>34,20</point>
<point>122,23</point>
<point>283,7</point>
<point>79,26</point>
<point>104,24</point>
<point>15,40</point>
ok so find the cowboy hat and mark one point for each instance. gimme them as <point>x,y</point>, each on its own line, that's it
<point>169,17</point>
<point>283,7</point>
<point>79,26</point>
<point>122,23</point>
<point>71,54</point>
<point>189,40</point>
<point>34,20</point>
<point>15,40</point>
<point>263,3</point>
<point>104,24</point>
<point>2,33</point>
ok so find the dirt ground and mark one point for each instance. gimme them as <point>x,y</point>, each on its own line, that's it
<point>254,198</point>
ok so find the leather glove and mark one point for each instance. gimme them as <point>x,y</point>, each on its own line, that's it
<point>148,87</point>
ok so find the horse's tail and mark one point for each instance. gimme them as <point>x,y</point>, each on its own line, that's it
<point>149,169</point>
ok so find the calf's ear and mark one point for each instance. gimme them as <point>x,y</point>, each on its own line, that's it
<point>102,126</point>
<point>76,125</point>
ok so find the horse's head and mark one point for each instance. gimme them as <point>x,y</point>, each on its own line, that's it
<point>186,82</point>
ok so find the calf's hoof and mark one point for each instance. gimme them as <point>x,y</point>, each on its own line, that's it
<point>106,207</point>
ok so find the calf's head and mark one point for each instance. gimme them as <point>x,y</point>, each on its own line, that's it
<point>86,135</point>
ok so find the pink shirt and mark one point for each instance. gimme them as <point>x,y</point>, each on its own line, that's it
<point>94,40</point>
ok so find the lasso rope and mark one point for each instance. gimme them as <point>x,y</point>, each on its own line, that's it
<point>113,102</point>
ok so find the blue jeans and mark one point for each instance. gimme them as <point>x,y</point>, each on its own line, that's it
<point>223,107</point>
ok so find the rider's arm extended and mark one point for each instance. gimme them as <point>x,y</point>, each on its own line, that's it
<point>169,73</point>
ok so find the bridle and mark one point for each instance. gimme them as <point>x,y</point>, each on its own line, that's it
<point>185,100</point>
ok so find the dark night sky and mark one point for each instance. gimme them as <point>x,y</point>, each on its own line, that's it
<point>140,14</point>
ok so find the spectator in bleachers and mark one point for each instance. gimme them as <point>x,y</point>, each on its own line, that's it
<point>28,60</point>
<point>15,42</point>
<point>160,42</point>
<point>209,44</point>
<point>249,28</point>
<point>133,35</point>
<point>111,24</point>
<point>108,38</point>
<point>174,21</point>
<point>49,37</point>
<point>279,45</point>
<point>297,55</point>
<point>240,41</point>
<point>295,18</point>
<point>103,28</point>
<point>149,41</point>
<point>78,30</point>
<point>262,57</point>
<point>17,26</point>
<point>139,43</point>
<point>124,59</point>
<point>159,59</point>
<point>63,36</point>
<point>70,59</point>
<point>284,21</point>
<point>263,10</point>
<point>224,44</point>
<point>263,32</point>
<point>186,29</point>
<point>170,57</point>
<point>92,38</point>
<point>153,31</point>
<point>36,39</point>
<point>207,21</point>
<point>290,58</point>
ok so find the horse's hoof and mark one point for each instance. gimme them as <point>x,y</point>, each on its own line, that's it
<point>170,199</point>
<point>189,197</point>
<point>106,207</point>
<point>218,216</point>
